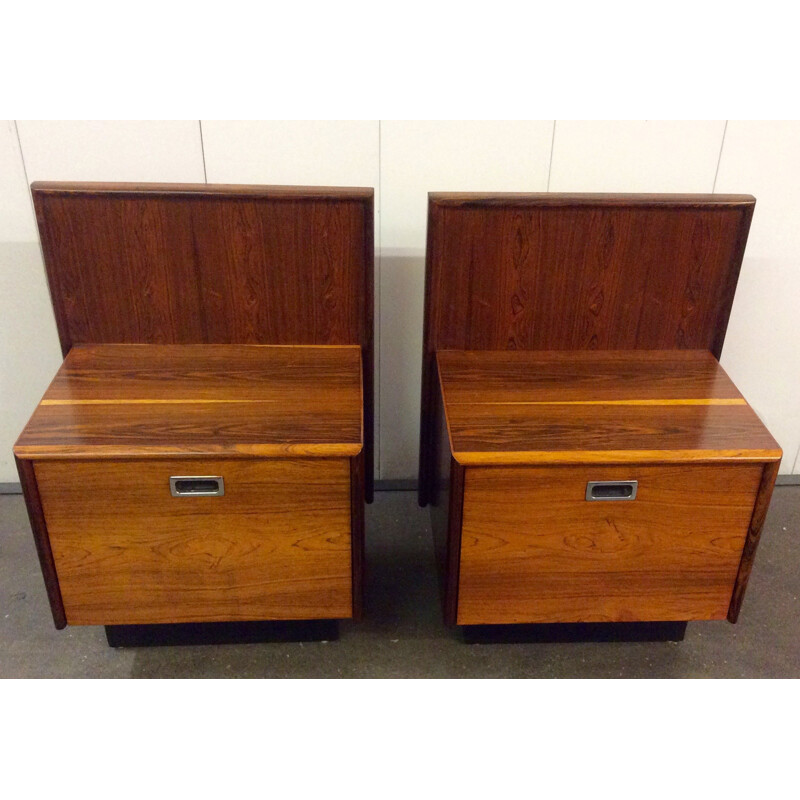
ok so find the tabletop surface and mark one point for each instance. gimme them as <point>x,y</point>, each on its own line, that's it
<point>542,407</point>
<point>129,400</point>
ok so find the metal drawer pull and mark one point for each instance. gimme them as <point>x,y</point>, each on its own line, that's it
<point>196,486</point>
<point>611,490</point>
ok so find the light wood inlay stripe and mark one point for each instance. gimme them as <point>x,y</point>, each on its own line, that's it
<point>707,401</point>
<point>145,401</point>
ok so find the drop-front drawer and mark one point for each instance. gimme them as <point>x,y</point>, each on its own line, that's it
<point>535,546</point>
<point>132,546</point>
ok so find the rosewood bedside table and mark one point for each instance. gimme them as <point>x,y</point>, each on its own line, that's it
<point>205,450</point>
<point>199,483</point>
<point>594,486</point>
<point>570,300</point>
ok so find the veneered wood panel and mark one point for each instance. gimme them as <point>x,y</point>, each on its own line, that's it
<point>577,272</point>
<point>588,406</point>
<point>170,400</point>
<point>616,272</point>
<point>534,550</point>
<point>277,545</point>
<point>157,265</point>
<point>550,434</point>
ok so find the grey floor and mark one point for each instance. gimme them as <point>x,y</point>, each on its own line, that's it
<point>402,635</point>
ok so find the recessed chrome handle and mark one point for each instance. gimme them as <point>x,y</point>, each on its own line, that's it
<point>196,486</point>
<point>611,490</point>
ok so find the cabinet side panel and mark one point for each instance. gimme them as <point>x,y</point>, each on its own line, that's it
<point>30,490</point>
<point>768,477</point>
<point>446,500</point>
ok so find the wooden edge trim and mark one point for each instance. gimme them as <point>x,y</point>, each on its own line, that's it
<point>94,452</point>
<point>559,199</point>
<point>368,352</point>
<point>544,457</point>
<point>667,354</point>
<point>732,279</point>
<point>33,503</point>
<point>763,497</point>
<point>212,345</point>
<point>204,189</point>
<point>453,555</point>
<point>357,533</point>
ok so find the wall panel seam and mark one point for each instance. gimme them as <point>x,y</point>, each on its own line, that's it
<point>203,150</point>
<point>719,157</point>
<point>25,170</point>
<point>552,148</point>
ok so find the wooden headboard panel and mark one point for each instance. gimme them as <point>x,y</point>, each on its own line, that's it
<point>577,271</point>
<point>186,263</point>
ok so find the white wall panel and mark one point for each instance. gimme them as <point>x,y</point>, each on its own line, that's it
<point>403,161</point>
<point>299,152</point>
<point>761,350</point>
<point>17,222</point>
<point>418,157</point>
<point>126,150</point>
<point>635,156</point>
<point>29,351</point>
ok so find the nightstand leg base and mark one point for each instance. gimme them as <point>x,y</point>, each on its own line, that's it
<point>194,633</point>
<point>575,632</point>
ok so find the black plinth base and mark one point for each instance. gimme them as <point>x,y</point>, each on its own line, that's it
<point>189,633</point>
<point>575,632</point>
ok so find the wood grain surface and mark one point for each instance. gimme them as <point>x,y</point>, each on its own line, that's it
<point>578,407</point>
<point>172,400</point>
<point>181,264</point>
<point>277,545</point>
<point>534,550</point>
<point>577,272</point>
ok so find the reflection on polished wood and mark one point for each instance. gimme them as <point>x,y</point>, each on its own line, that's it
<point>171,400</point>
<point>534,550</point>
<point>568,407</point>
<point>276,545</point>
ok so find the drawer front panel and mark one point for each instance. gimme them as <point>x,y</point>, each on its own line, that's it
<point>534,549</point>
<point>275,545</point>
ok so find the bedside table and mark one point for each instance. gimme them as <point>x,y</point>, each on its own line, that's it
<point>588,486</point>
<point>198,483</point>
